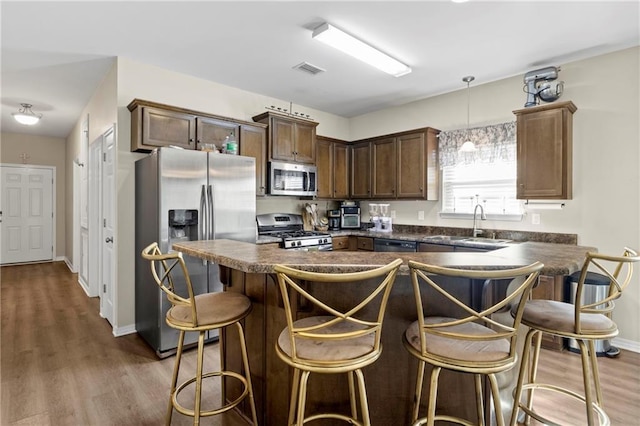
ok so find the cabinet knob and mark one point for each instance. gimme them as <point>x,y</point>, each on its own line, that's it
<point>190,141</point>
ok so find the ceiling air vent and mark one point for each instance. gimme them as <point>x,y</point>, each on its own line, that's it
<point>308,68</point>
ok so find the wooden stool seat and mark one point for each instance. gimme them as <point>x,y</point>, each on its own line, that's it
<point>461,350</point>
<point>559,318</point>
<point>212,309</point>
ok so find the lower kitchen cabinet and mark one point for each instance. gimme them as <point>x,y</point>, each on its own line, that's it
<point>340,243</point>
<point>360,243</point>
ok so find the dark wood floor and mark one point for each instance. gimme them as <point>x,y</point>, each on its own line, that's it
<point>61,365</point>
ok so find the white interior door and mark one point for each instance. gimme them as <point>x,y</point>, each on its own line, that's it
<point>26,214</point>
<point>108,225</point>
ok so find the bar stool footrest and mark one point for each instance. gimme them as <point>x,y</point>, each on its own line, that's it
<point>337,416</point>
<point>603,417</point>
<point>457,420</point>
<point>188,412</point>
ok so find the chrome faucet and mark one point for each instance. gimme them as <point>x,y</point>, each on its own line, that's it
<point>477,231</point>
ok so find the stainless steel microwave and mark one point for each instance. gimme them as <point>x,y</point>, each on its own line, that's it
<point>292,179</point>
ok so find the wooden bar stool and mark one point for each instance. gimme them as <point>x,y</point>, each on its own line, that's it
<point>333,340</point>
<point>583,322</point>
<point>473,343</point>
<point>200,314</point>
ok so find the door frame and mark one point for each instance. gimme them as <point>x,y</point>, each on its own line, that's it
<point>108,304</point>
<point>94,188</point>
<point>54,217</point>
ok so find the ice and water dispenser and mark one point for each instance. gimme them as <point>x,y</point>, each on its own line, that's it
<point>183,226</point>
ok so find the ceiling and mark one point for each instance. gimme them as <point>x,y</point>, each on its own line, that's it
<point>54,54</point>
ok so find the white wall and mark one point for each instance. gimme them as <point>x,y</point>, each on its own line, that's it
<point>605,209</point>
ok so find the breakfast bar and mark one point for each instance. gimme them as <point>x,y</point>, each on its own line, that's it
<point>248,268</point>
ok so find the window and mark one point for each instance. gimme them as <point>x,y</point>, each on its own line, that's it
<point>486,176</point>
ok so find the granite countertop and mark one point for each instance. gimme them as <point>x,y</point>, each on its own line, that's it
<point>559,259</point>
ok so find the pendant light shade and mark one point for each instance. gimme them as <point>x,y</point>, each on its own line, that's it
<point>26,116</point>
<point>468,146</point>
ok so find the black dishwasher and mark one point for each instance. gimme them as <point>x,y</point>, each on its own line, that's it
<point>384,244</point>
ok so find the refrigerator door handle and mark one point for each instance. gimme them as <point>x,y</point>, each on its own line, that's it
<point>202,231</point>
<point>211,218</point>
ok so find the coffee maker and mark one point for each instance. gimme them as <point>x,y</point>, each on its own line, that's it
<point>334,220</point>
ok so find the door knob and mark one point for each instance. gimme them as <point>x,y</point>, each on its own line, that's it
<point>108,240</point>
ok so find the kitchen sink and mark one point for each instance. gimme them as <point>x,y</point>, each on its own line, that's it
<point>487,240</point>
<point>466,241</point>
<point>446,238</point>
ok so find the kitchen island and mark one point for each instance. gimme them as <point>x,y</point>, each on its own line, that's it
<point>248,268</point>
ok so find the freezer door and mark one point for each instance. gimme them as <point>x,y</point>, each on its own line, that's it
<point>232,185</point>
<point>183,180</point>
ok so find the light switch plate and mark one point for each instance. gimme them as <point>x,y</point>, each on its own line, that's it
<point>421,215</point>
<point>535,218</point>
<point>392,213</point>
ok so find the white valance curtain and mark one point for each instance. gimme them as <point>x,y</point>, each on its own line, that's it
<point>495,143</point>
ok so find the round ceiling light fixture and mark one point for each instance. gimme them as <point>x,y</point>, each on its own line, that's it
<point>26,116</point>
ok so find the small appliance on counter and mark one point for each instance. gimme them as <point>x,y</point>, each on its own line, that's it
<point>334,220</point>
<point>349,215</point>
<point>379,214</point>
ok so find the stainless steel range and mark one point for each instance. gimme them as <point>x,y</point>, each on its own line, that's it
<point>289,228</point>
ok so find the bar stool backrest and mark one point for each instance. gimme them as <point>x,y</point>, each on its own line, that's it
<point>524,278</point>
<point>162,269</point>
<point>359,318</point>
<point>618,269</point>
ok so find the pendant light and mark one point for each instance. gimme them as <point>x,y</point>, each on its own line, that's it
<point>26,116</point>
<point>468,145</point>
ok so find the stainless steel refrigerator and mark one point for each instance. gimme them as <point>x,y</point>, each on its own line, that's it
<point>184,195</point>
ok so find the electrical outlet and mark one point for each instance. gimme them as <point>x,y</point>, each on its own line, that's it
<point>392,214</point>
<point>421,215</point>
<point>535,218</point>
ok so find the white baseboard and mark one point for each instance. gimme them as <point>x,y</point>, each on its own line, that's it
<point>625,344</point>
<point>123,331</point>
<point>66,260</point>
<point>84,286</point>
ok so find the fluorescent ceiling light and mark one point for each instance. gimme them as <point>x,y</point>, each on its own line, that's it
<point>350,45</point>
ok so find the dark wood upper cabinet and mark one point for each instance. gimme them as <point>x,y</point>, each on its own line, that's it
<point>214,131</point>
<point>155,127</point>
<point>290,139</point>
<point>544,153</point>
<point>402,166</point>
<point>254,144</point>
<point>360,170</point>
<point>333,168</point>
<point>383,173</point>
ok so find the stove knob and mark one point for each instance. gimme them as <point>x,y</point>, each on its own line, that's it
<point>325,241</point>
<point>299,243</point>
